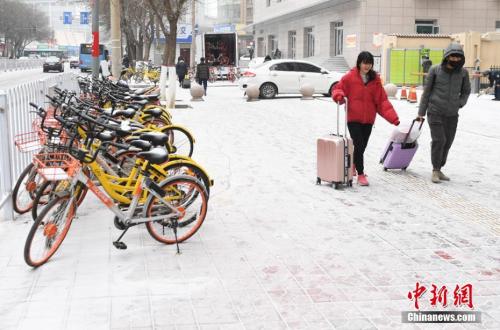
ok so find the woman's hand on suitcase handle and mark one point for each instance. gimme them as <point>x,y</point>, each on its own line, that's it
<point>419,118</point>
<point>339,98</point>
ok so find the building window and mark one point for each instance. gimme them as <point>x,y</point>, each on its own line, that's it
<point>336,38</point>
<point>272,44</point>
<point>426,27</point>
<point>261,48</point>
<point>497,26</point>
<point>308,42</point>
<point>268,3</point>
<point>292,41</point>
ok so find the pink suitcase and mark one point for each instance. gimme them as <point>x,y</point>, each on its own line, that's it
<point>335,157</point>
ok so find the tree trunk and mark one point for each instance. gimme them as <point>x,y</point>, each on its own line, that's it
<point>169,54</point>
<point>147,48</point>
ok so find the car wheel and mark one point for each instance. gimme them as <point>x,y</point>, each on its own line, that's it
<point>268,91</point>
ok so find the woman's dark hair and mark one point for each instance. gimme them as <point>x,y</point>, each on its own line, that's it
<point>367,58</point>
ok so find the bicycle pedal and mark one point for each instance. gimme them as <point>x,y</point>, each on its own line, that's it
<point>120,245</point>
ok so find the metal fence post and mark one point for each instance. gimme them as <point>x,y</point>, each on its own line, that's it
<point>6,210</point>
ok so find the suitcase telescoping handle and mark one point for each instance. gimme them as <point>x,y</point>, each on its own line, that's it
<point>411,127</point>
<point>347,156</point>
<point>338,118</point>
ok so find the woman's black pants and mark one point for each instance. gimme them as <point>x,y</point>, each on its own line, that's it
<point>360,134</point>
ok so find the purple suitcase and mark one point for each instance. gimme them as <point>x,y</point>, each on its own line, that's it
<point>399,155</point>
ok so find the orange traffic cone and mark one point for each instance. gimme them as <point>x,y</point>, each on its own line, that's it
<point>412,97</point>
<point>403,93</point>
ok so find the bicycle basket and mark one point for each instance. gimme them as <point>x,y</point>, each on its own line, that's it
<point>56,166</point>
<point>27,142</point>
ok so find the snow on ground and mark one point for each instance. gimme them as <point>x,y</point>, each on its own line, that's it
<point>276,250</point>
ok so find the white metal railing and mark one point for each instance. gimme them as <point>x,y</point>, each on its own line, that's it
<point>7,64</point>
<point>15,118</point>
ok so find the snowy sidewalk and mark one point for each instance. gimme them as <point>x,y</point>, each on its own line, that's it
<point>277,251</point>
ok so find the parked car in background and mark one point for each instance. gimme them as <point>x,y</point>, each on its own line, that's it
<point>287,76</point>
<point>74,62</point>
<point>53,63</point>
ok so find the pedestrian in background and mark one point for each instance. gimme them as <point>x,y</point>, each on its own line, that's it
<point>181,69</point>
<point>125,61</point>
<point>267,58</point>
<point>363,89</point>
<point>202,74</point>
<point>446,90</point>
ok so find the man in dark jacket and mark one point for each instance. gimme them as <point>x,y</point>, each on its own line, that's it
<point>446,90</point>
<point>125,61</point>
<point>202,73</point>
<point>181,69</point>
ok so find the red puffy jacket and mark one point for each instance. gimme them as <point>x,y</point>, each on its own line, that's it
<point>364,101</point>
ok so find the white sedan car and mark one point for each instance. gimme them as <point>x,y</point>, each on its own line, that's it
<point>287,76</point>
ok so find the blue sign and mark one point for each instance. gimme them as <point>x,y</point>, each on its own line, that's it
<point>67,19</point>
<point>184,33</point>
<point>84,17</point>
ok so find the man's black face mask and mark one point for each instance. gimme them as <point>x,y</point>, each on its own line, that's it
<point>454,63</point>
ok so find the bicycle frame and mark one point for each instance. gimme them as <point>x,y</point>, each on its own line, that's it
<point>143,184</point>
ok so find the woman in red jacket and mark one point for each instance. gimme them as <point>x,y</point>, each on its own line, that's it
<point>363,89</point>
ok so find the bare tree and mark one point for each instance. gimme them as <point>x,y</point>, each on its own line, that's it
<point>172,10</point>
<point>20,25</point>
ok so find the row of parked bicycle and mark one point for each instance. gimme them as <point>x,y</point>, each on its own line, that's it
<point>121,140</point>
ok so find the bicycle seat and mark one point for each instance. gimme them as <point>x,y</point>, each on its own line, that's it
<point>103,136</point>
<point>155,112</point>
<point>127,113</point>
<point>154,156</point>
<point>141,144</point>
<point>141,102</point>
<point>152,97</point>
<point>122,83</point>
<point>134,106</point>
<point>156,138</point>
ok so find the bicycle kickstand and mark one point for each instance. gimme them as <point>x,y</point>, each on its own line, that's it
<point>175,235</point>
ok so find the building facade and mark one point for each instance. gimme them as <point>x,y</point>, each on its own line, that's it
<point>323,30</point>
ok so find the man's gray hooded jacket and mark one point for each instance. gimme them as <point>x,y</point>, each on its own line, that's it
<point>446,91</point>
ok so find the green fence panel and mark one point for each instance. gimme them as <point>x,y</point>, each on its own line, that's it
<point>405,65</point>
<point>412,67</point>
<point>436,56</point>
<point>397,66</point>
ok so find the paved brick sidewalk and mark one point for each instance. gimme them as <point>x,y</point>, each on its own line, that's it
<point>277,251</point>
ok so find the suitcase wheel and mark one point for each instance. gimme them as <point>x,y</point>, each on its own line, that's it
<point>350,183</point>
<point>318,181</point>
<point>336,185</point>
<point>385,168</point>
<point>404,168</point>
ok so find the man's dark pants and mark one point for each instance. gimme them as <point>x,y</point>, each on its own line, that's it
<point>204,83</point>
<point>443,131</point>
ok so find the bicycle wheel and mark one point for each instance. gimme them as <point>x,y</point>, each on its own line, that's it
<point>179,167</point>
<point>24,190</point>
<point>45,194</point>
<point>189,197</point>
<point>42,197</point>
<point>48,231</point>
<point>180,141</point>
